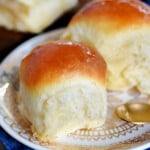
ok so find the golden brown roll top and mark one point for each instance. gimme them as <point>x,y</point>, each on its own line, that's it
<point>120,31</point>
<point>62,88</point>
<point>58,61</point>
<point>117,13</point>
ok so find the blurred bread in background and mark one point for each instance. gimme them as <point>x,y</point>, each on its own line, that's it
<point>120,31</point>
<point>62,88</point>
<point>11,35</point>
<point>32,15</point>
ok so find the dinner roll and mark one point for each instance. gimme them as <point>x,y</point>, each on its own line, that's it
<point>120,31</point>
<point>62,88</point>
<point>32,15</point>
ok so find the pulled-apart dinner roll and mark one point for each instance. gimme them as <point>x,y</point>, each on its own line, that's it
<point>120,31</point>
<point>62,88</point>
<point>32,15</point>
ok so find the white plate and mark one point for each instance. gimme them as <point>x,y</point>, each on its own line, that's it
<point>115,134</point>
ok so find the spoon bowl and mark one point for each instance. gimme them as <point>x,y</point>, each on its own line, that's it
<point>138,113</point>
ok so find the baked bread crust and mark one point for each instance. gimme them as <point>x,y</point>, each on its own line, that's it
<point>120,31</point>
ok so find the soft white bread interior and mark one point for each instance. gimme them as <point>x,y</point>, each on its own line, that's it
<point>62,88</point>
<point>32,15</point>
<point>120,31</point>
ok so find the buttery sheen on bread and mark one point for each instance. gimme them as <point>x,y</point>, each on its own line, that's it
<point>120,31</point>
<point>62,88</point>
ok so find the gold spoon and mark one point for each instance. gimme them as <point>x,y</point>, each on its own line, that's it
<point>138,113</point>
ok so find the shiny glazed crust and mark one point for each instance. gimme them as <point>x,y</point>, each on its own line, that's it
<point>58,61</point>
<point>121,13</point>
